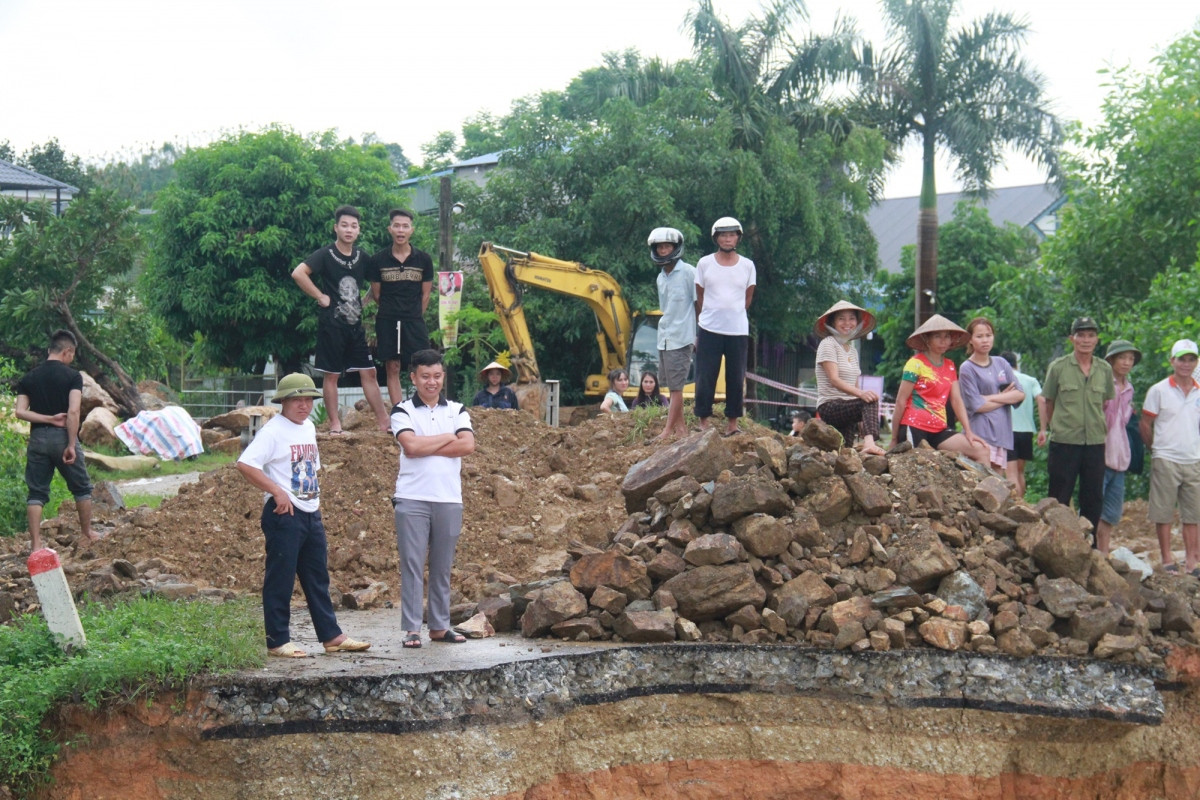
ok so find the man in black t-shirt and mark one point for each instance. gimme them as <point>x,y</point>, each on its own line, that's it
<point>49,398</point>
<point>333,276</point>
<point>401,279</point>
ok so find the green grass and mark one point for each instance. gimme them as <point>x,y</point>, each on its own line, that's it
<point>134,649</point>
<point>148,500</point>
<point>201,463</point>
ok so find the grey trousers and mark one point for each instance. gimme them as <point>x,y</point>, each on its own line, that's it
<point>426,528</point>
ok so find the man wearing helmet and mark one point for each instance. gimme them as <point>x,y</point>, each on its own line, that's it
<point>677,327</point>
<point>724,290</point>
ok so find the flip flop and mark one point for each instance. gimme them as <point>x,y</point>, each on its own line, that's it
<point>1171,568</point>
<point>347,645</point>
<point>412,641</point>
<point>287,650</point>
<point>338,432</point>
<point>450,637</point>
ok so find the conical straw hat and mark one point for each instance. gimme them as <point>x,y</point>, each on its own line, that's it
<point>865,318</point>
<point>937,324</point>
<point>505,373</point>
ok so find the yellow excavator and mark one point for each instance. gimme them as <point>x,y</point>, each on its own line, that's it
<point>627,340</point>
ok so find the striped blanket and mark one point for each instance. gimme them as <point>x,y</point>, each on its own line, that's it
<point>169,433</point>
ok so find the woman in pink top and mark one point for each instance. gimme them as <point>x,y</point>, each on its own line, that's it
<point>1123,357</point>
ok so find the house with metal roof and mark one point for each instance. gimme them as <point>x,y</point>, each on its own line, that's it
<point>425,195</point>
<point>25,183</point>
<point>894,221</point>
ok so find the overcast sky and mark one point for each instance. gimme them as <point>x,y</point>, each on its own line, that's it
<point>116,76</point>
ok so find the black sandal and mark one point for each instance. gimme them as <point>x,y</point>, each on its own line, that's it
<point>412,641</point>
<point>450,637</point>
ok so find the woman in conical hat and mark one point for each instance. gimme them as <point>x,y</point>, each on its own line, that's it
<point>928,385</point>
<point>494,393</point>
<point>840,401</point>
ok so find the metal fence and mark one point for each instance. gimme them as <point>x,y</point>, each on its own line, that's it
<point>212,396</point>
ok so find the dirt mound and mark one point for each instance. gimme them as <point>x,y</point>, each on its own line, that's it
<point>527,491</point>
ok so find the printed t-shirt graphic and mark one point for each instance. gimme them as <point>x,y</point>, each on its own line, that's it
<point>931,392</point>
<point>304,471</point>
<point>341,278</point>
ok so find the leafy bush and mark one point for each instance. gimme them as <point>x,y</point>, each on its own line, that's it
<point>133,650</point>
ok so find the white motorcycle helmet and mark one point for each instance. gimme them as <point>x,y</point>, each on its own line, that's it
<point>665,236</point>
<point>725,225</point>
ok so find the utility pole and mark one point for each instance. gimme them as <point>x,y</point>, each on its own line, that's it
<point>445,228</point>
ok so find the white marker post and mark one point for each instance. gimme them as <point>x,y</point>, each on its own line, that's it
<point>58,607</point>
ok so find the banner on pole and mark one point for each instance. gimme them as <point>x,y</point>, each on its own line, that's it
<point>449,302</point>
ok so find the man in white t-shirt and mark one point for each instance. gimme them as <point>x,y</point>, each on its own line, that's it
<point>434,434</point>
<point>283,461</point>
<point>724,290</point>
<point>1170,426</point>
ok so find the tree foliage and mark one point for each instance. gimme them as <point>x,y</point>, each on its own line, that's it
<point>982,266</point>
<point>51,160</point>
<point>139,178</point>
<point>1135,192</point>
<point>240,215</point>
<point>59,272</point>
<point>635,144</point>
<point>967,92</point>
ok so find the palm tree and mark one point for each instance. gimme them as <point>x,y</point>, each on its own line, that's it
<point>759,72</point>
<point>968,92</point>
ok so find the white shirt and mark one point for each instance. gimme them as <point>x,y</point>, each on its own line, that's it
<point>287,454</point>
<point>434,479</point>
<point>724,309</point>
<point>1176,421</point>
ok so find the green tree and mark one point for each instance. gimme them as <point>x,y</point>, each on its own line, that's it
<point>51,160</point>
<point>58,272</point>
<point>591,189</point>
<point>966,91</point>
<point>240,215</point>
<point>978,259</point>
<point>760,73</point>
<point>1135,191</point>
<point>139,178</point>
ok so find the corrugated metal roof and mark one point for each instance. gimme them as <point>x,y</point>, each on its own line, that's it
<point>894,221</point>
<point>14,177</point>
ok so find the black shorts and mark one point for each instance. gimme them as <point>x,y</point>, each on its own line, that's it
<point>1022,447</point>
<point>414,336</point>
<point>342,348</point>
<point>934,439</point>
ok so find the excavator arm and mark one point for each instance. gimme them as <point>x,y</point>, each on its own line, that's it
<point>508,271</point>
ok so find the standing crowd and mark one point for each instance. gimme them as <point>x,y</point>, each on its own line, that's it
<point>1084,406</point>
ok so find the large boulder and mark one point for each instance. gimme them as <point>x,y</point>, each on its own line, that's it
<point>620,572</point>
<point>713,549</point>
<point>714,592</point>
<point>746,495</point>
<point>702,456</point>
<point>551,606</point>
<point>1064,553</point>
<point>95,397</point>
<point>239,419</point>
<point>762,535</point>
<point>97,429</point>
<point>924,565</point>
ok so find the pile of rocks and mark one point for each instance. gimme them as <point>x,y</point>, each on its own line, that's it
<point>813,544</point>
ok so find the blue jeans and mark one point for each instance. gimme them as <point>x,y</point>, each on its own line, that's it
<point>43,455</point>
<point>1114,496</point>
<point>295,549</point>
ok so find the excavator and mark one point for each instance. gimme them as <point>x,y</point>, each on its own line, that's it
<point>627,340</point>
